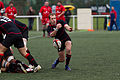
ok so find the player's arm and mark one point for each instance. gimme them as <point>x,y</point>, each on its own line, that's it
<point>40,13</point>
<point>3,8</point>
<point>68,27</point>
<point>15,14</point>
<point>6,12</point>
<point>63,12</point>
<point>53,33</point>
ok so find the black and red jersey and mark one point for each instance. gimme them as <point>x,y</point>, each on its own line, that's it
<point>7,26</point>
<point>61,33</point>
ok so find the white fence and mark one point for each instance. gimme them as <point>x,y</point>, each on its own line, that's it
<point>72,16</point>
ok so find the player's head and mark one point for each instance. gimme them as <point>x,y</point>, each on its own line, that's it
<point>52,18</point>
<point>59,3</point>
<point>46,3</point>
<point>11,4</point>
<point>112,8</point>
<point>30,7</point>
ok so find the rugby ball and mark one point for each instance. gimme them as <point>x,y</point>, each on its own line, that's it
<point>57,43</point>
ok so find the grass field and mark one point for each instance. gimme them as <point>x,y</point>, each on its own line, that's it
<point>95,56</point>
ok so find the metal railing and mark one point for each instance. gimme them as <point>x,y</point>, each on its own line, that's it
<point>72,16</point>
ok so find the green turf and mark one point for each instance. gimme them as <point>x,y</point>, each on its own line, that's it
<point>95,56</point>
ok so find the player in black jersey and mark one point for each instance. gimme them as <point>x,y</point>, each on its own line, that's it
<point>14,36</point>
<point>57,30</point>
<point>24,30</point>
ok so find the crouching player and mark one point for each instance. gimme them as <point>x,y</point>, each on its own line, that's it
<point>57,30</point>
<point>24,30</point>
<point>14,36</point>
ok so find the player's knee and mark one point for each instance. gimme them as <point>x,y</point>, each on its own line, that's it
<point>61,59</point>
<point>68,50</point>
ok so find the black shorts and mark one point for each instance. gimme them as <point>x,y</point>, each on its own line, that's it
<point>15,39</point>
<point>63,45</point>
<point>25,34</point>
<point>8,53</point>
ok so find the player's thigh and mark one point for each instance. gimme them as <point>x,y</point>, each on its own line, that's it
<point>2,48</point>
<point>68,45</point>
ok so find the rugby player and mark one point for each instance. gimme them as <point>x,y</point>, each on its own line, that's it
<point>60,11</point>
<point>44,16</point>
<point>56,29</point>
<point>11,11</point>
<point>14,36</point>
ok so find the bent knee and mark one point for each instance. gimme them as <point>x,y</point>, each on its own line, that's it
<point>61,59</point>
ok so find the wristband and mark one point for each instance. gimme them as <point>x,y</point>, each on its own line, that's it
<point>55,29</point>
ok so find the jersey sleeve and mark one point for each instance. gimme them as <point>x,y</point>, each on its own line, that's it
<point>61,22</point>
<point>2,5</point>
<point>15,11</point>
<point>50,10</point>
<point>6,10</point>
<point>41,9</point>
<point>63,9</point>
<point>49,29</point>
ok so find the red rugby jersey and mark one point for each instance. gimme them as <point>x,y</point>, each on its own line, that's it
<point>45,11</point>
<point>10,12</point>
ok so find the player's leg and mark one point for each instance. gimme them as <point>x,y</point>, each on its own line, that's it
<point>44,28</point>
<point>21,48</point>
<point>61,58</point>
<point>68,45</point>
<point>116,25</point>
<point>111,25</point>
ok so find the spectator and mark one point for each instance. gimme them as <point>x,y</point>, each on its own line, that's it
<point>11,11</point>
<point>113,17</point>
<point>105,23</point>
<point>60,11</point>
<point>31,11</point>
<point>53,8</point>
<point>67,14</point>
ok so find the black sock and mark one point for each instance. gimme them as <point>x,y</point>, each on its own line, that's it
<point>1,59</point>
<point>44,31</point>
<point>28,51</point>
<point>68,57</point>
<point>31,60</point>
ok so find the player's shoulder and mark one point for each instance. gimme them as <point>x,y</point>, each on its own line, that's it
<point>8,7</point>
<point>60,21</point>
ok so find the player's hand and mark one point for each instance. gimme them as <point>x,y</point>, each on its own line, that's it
<point>58,26</point>
<point>70,29</point>
<point>114,19</point>
<point>58,16</point>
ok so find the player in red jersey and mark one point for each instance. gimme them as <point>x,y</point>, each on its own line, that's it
<point>44,16</point>
<point>60,10</point>
<point>11,11</point>
<point>2,8</point>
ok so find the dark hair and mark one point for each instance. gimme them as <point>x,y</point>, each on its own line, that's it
<point>11,2</point>
<point>60,1</point>
<point>51,14</point>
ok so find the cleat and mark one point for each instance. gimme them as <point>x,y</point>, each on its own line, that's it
<point>53,66</point>
<point>36,69</point>
<point>67,68</point>
<point>31,66</point>
<point>29,70</point>
<point>22,68</point>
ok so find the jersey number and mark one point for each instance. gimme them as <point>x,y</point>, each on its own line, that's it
<point>5,19</point>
